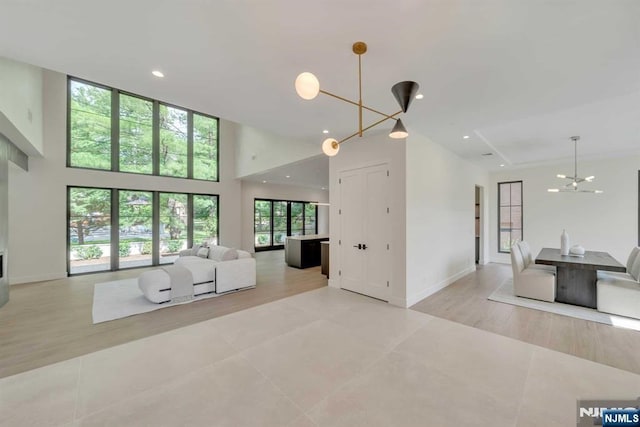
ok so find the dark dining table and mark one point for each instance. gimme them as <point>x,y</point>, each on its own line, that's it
<point>577,276</point>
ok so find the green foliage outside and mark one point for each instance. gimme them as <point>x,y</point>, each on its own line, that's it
<point>90,126</point>
<point>90,211</point>
<point>205,217</point>
<point>88,252</point>
<point>146,248</point>
<point>174,246</point>
<point>263,239</point>
<point>124,249</point>
<point>90,216</point>
<point>205,148</point>
<point>173,142</point>
<point>136,135</point>
<point>90,133</point>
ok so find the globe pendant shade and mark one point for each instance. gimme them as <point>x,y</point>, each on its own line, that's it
<point>399,131</point>
<point>405,92</point>
<point>330,147</point>
<point>307,86</point>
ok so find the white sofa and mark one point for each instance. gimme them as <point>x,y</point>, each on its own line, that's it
<point>217,269</point>
<point>619,293</point>
<point>529,280</point>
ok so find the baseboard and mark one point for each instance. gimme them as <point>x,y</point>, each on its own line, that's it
<point>398,302</point>
<point>413,299</point>
<point>38,278</point>
<point>333,283</point>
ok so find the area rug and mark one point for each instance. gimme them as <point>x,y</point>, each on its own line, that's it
<point>123,298</point>
<point>505,294</point>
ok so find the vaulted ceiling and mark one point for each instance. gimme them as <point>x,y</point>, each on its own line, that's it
<point>519,77</point>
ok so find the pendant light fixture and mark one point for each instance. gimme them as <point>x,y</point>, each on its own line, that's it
<point>572,187</point>
<point>308,87</point>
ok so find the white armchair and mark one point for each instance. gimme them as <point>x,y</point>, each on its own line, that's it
<point>527,257</point>
<point>619,293</point>
<point>530,282</point>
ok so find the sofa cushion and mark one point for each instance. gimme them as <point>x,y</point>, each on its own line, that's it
<point>222,253</point>
<point>203,252</point>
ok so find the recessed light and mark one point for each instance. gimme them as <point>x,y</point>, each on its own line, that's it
<point>157,73</point>
<point>419,96</point>
<point>288,176</point>
<point>465,137</point>
<point>502,165</point>
<point>325,131</point>
<point>264,182</point>
<point>324,188</point>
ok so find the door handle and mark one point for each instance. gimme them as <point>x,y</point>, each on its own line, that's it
<point>359,246</point>
<point>364,246</point>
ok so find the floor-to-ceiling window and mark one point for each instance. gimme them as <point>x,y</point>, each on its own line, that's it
<point>89,211</point>
<point>509,214</point>
<point>135,231</point>
<point>274,220</point>
<point>111,229</point>
<point>120,132</point>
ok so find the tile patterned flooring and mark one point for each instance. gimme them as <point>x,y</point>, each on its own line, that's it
<point>322,358</point>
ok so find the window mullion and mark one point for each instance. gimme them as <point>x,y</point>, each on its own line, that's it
<point>190,220</point>
<point>115,228</point>
<point>189,144</point>
<point>155,135</point>
<point>115,130</point>
<point>155,229</point>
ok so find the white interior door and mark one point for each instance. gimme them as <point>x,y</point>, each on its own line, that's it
<point>364,221</point>
<point>351,230</point>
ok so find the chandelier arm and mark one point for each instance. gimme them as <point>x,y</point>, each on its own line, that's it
<point>575,157</point>
<point>356,104</point>
<point>369,127</point>
<point>360,94</point>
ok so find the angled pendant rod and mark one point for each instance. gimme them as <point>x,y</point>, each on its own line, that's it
<point>356,104</point>
<point>370,126</point>
<point>575,157</point>
<point>360,94</point>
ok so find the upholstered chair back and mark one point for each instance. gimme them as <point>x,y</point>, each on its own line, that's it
<point>517,262</point>
<point>632,258</point>
<point>526,253</point>
<point>635,269</point>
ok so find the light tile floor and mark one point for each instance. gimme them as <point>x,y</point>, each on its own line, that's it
<point>323,358</point>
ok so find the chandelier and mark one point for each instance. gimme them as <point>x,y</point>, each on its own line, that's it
<point>308,87</point>
<point>572,187</point>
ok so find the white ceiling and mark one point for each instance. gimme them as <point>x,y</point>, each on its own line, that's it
<point>518,76</point>
<point>312,172</point>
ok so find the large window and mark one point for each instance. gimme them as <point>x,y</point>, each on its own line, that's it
<point>174,220</point>
<point>274,220</point>
<point>509,214</point>
<point>89,126</point>
<point>89,229</point>
<point>111,229</point>
<point>117,131</point>
<point>135,228</point>
<point>136,135</point>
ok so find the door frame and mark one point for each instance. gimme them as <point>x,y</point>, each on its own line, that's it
<point>481,233</point>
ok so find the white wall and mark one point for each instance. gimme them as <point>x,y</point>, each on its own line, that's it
<point>37,199</point>
<point>440,217</point>
<point>373,149</point>
<point>21,105</point>
<point>252,190</point>
<point>258,150</point>
<point>600,222</point>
